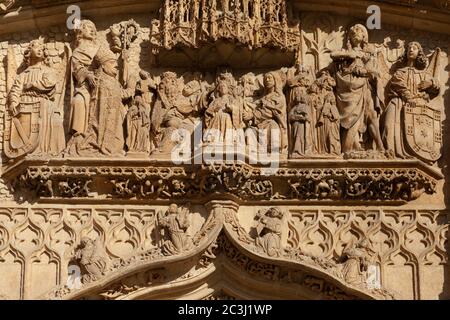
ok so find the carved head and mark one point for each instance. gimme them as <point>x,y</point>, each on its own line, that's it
<point>275,213</point>
<point>414,53</point>
<point>169,84</point>
<point>272,82</point>
<point>248,83</point>
<point>108,62</point>
<point>173,209</point>
<point>86,31</point>
<point>358,36</point>
<point>36,52</point>
<point>224,84</point>
<point>326,80</point>
<point>85,242</point>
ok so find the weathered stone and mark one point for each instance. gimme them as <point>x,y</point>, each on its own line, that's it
<point>269,140</point>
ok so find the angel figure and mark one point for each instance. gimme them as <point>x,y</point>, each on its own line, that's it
<point>92,261</point>
<point>268,230</point>
<point>34,124</point>
<point>357,259</point>
<point>411,124</point>
<point>175,223</point>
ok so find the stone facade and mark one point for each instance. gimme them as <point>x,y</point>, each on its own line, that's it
<point>211,149</point>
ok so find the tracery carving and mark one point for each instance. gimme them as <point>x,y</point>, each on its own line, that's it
<point>256,24</point>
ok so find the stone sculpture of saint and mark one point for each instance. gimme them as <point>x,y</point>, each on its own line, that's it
<point>269,229</point>
<point>175,222</point>
<point>138,126</point>
<point>172,111</point>
<point>36,123</point>
<point>328,121</point>
<point>270,114</point>
<point>356,262</point>
<point>84,62</point>
<point>411,86</point>
<point>355,72</point>
<point>224,115</point>
<point>105,134</point>
<point>302,114</point>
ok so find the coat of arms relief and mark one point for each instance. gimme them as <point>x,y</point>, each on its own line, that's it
<point>208,107</point>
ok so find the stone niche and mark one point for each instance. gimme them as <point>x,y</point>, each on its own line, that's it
<point>211,146</point>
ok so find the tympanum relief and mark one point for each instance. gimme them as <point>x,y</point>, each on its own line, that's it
<point>356,107</point>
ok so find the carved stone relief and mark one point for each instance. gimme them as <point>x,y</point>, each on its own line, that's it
<point>243,137</point>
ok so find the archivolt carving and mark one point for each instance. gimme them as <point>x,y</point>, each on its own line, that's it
<point>321,240</point>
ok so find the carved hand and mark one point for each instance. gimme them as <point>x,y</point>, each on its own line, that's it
<point>14,109</point>
<point>90,78</point>
<point>425,85</point>
<point>412,103</point>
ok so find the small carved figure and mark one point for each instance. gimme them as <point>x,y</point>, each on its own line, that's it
<point>357,259</point>
<point>328,124</point>
<point>138,126</point>
<point>407,131</point>
<point>301,113</point>
<point>268,230</point>
<point>92,262</point>
<point>172,111</point>
<point>175,222</point>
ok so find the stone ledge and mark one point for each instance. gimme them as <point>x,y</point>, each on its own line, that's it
<point>296,181</point>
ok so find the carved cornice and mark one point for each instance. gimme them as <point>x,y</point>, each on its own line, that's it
<point>430,15</point>
<point>295,180</point>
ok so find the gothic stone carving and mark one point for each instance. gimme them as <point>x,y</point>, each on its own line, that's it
<point>254,23</point>
<point>332,113</point>
<point>359,125</point>
<point>243,181</point>
<point>90,258</point>
<point>175,223</point>
<point>269,230</point>
<point>34,123</point>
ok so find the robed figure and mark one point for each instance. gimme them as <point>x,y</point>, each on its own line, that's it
<point>412,125</point>
<point>105,132</point>
<point>34,123</point>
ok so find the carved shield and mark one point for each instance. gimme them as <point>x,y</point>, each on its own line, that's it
<point>22,132</point>
<point>423,132</point>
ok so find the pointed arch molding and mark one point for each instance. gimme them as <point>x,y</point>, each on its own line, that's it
<point>224,259</point>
